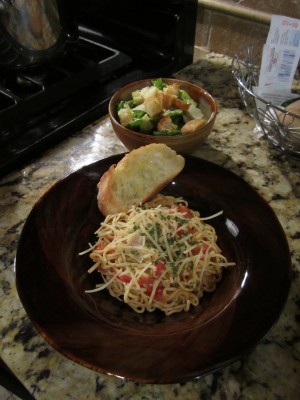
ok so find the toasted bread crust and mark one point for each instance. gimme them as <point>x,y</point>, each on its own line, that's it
<point>137,177</point>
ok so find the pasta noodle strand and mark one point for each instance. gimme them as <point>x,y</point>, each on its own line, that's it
<point>158,256</point>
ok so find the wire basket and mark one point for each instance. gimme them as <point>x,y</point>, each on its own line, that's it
<point>280,127</point>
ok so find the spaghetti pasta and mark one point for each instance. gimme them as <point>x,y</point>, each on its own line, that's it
<point>161,255</point>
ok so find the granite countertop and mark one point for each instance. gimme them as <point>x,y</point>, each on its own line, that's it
<point>270,371</point>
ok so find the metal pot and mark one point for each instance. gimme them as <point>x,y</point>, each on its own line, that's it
<point>31,32</point>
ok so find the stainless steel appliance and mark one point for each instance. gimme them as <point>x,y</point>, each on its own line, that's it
<point>55,81</point>
<point>31,32</point>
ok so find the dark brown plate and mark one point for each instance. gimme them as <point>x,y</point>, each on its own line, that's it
<point>104,334</point>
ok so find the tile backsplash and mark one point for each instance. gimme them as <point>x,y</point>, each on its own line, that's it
<point>224,26</point>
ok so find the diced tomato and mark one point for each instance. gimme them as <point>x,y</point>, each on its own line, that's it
<point>160,267</point>
<point>146,281</point>
<point>101,246</point>
<point>196,250</point>
<point>124,278</point>
<point>184,210</point>
<point>159,292</point>
<point>149,290</point>
<point>180,231</point>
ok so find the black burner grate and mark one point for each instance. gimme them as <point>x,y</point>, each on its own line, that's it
<point>39,106</point>
<point>79,65</point>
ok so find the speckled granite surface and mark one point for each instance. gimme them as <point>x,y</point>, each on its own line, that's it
<point>270,371</point>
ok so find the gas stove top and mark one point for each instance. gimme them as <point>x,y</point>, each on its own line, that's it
<point>42,105</point>
<point>107,45</point>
